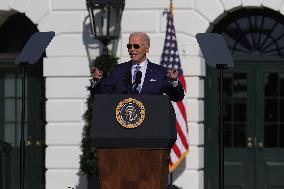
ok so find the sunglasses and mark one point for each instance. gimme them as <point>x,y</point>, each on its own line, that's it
<point>135,46</point>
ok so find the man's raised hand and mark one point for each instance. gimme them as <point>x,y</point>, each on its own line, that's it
<point>96,74</point>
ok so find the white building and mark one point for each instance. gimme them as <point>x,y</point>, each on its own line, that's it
<point>66,72</point>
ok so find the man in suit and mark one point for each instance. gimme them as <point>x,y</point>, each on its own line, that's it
<point>139,75</point>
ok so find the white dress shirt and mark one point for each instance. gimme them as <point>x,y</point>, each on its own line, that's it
<point>143,68</point>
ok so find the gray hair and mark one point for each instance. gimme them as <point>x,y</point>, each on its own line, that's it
<point>144,35</point>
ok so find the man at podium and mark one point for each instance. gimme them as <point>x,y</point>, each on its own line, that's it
<point>139,75</point>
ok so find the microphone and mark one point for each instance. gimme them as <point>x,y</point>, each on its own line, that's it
<point>138,78</point>
<point>136,82</point>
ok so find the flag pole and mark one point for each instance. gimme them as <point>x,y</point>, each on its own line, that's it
<point>171,52</point>
<point>171,180</point>
<point>171,173</point>
<point>171,7</point>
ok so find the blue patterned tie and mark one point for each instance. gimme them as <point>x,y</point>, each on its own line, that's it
<point>136,88</point>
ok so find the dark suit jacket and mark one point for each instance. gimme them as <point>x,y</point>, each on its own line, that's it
<point>156,82</point>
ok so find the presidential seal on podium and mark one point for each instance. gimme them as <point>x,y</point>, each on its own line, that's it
<point>130,113</point>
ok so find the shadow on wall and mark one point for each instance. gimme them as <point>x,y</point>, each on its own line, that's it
<point>91,45</point>
<point>179,170</point>
<point>82,182</point>
<point>94,47</point>
<point>87,182</point>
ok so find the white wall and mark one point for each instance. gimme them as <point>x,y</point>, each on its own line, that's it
<point>66,69</point>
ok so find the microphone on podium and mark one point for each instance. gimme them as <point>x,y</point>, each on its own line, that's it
<point>136,82</point>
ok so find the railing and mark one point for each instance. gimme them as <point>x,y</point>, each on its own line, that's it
<point>5,164</point>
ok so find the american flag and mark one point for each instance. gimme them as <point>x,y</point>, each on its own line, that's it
<point>170,59</point>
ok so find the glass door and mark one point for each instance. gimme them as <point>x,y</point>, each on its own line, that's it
<point>10,122</point>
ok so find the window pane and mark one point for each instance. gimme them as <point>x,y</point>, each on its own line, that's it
<point>19,110</point>
<point>270,135</point>
<point>240,135</point>
<point>227,112</point>
<point>9,85</point>
<point>9,109</point>
<point>19,87</point>
<point>270,110</point>
<point>235,110</point>
<point>227,85</point>
<point>240,85</point>
<point>9,130</point>
<point>240,110</point>
<point>271,84</point>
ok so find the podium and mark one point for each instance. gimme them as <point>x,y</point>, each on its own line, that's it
<point>133,135</point>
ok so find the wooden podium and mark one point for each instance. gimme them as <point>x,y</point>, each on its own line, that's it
<point>133,158</point>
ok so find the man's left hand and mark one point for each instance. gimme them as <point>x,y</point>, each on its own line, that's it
<point>172,74</point>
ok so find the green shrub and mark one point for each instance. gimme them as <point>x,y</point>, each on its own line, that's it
<point>88,159</point>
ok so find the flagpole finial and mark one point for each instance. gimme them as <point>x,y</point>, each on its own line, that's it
<point>171,7</point>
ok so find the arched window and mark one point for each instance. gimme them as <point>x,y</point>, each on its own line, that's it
<point>253,32</point>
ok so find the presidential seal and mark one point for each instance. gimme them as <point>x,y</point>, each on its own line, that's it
<point>130,113</point>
